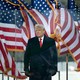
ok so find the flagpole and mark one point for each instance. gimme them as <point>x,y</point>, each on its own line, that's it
<point>66,66</point>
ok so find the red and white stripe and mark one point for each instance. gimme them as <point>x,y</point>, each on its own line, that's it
<point>70,36</point>
<point>52,20</point>
<point>41,20</point>
<point>30,28</point>
<point>7,64</point>
<point>12,36</point>
<point>69,32</point>
<point>15,36</point>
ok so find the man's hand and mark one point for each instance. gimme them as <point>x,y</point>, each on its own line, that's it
<point>52,72</point>
<point>28,73</point>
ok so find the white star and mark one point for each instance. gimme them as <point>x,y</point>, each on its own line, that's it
<point>44,11</point>
<point>71,6</point>
<point>3,2</point>
<point>40,5</point>
<point>71,2</point>
<point>14,14</point>
<point>47,14</point>
<point>39,10</point>
<point>10,7</point>
<point>12,10</point>
<point>74,15</point>
<point>20,19</point>
<point>14,1</point>
<point>43,2</point>
<point>2,16</point>
<point>35,7</point>
<point>19,16</point>
<point>7,17</point>
<point>10,15</point>
<point>71,12</point>
<point>6,8</point>
<point>10,20</point>
<point>17,21</point>
<point>42,8</point>
<point>4,13</point>
<point>4,5</point>
<point>19,25</point>
<point>47,8</point>
<point>8,4</point>
<point>1,7</point>
<point>45,5</point>
<point>34,2</point>
<point>1,13</point>
<point>8,12</point>
<point>4,19</point>
<point>38,2</point>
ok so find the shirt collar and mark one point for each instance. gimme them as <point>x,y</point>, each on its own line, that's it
<point>41,38</point>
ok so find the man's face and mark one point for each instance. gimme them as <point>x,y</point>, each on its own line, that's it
<point>39,31</point>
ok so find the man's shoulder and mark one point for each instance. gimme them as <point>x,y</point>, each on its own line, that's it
<point>51,39</point>
<point>33,38</point>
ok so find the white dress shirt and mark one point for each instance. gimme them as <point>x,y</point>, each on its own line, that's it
<point>42,39</point>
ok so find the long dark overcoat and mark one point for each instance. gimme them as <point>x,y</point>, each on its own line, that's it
<point>34,61</point>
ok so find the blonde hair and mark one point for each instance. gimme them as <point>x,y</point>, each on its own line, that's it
<point>39,26</point>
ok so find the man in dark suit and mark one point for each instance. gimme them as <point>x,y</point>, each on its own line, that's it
<point>40,58</point>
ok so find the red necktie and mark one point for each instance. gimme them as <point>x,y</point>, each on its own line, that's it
<point>40,42</point>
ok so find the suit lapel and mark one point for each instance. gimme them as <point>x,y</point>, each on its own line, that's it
<point>44,45</point>
<point>37,41</point>
<point>44,42</point>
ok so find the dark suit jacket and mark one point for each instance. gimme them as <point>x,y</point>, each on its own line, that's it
<point>32,55</point>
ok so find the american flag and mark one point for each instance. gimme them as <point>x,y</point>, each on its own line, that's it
<point>74,10</point>
<point>12,36</point>
<point>70,38</point>
<point>7,65</point>
<point>42,12</point>
<point>69,32</point>
<point>13,33</point>
<point>48,21</point>
<point>75,13</point>
<point>11,22</point>
<point>42,6</point>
